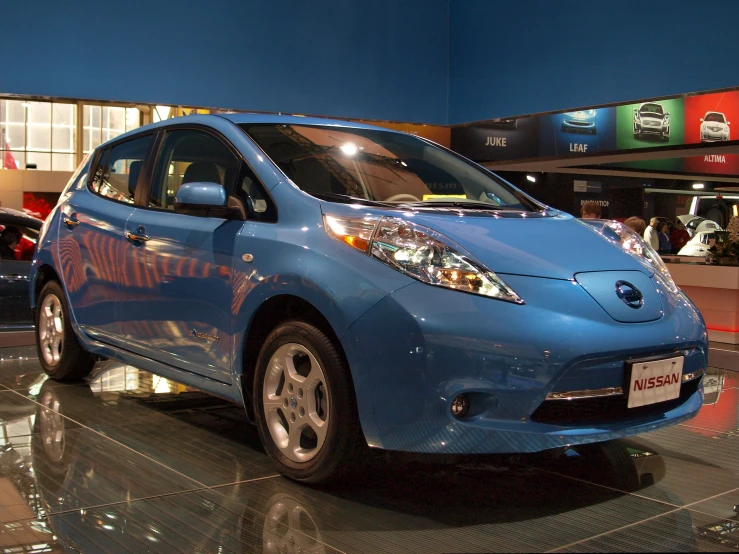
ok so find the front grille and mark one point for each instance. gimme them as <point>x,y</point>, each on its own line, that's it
<point>609,409</point>
<point>579,123</point>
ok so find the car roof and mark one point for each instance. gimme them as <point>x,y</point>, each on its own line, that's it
<point>248,118</point>
<point>9,216</point>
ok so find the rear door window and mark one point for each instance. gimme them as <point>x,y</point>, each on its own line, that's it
<point>118,170</point>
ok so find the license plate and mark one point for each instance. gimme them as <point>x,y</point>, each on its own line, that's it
<point>654,381</point>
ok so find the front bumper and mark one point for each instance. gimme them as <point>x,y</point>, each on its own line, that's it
<point>576,125</point>
<point>713,136</point>
<point>650,130</point>
<point>420,347</point>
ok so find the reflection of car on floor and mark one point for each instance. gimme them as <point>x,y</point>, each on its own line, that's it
<point>651,119</point>
<point>714,127</point>
<point>275,515</point>
<point>290,265</point>
<point>14,311</point>
<point>582,121</point>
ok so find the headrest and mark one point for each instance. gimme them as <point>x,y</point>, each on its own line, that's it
<point>201,172</point>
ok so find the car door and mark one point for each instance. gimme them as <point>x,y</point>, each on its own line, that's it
<point>91,236</point>
<point>15,308</point>
<point>177,282</point>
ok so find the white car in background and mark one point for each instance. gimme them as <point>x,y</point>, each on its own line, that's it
<point>702,231</point>
<point>651,119</point>
<point>714,127</point>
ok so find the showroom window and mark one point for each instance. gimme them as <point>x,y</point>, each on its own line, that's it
<point>37,134</point>
<point>102,123</point>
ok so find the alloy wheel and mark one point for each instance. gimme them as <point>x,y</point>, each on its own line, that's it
<point>51,427</point>
<point>295,399</point>
<point>51,330</point>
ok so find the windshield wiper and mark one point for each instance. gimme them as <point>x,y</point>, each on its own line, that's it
<point>468,205</point>
<point>346,199</point>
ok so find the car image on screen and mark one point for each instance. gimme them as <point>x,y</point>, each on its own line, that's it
<point>355,289</point>
<point>714,127</point>
<point>650,119</point>
<point>582,121</point>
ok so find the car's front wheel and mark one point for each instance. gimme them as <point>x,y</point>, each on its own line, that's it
<point>305,405</point>
<point>59,351</point>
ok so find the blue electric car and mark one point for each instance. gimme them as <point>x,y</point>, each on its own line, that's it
<point>353,286</point>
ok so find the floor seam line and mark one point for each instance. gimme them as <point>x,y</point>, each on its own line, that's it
<point>202,485</point>
<point>685,507</point>
<point>623,492</point>
<point>118,502</point>
<point>599,535</point>
<point>245,481</point>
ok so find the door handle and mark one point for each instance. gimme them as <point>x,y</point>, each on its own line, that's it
<point>136,238</point>
<point>70,221</point>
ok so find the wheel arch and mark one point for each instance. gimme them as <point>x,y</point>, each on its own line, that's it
<point>43,275</point>
<point>268,315</point>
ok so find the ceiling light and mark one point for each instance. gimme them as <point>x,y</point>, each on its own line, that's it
<point>349,149</point>
<point>699,186</point>
<point>531,178</point>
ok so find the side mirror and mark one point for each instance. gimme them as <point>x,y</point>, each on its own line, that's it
<point>701,120</point>
<point>204,199</point>
<point>667,113</point>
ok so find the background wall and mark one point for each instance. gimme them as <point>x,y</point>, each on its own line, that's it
<point>14,183</point>
<point>428,61</point>
<point>514,58</point>
<point>379,59</point>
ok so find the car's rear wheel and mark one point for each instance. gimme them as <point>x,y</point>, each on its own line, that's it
<point>59,351</point>
<point>305,405</point>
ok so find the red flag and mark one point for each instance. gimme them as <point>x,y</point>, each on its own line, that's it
<point>8,159</point>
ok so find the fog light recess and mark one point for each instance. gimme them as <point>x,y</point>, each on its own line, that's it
<point>461,406</point>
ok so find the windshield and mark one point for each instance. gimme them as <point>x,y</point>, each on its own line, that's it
<point>649,109</point>
<point>716,117</point>
<point>333,163</point>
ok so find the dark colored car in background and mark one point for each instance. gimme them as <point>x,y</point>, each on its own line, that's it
<point>15,311</point>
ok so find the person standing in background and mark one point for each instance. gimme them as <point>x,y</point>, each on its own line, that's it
<point>636,224</point>
<point>665,245</point>
<point>9,239</point>
<point>651,234</point>
<point>679,237</point>
<point>590,210</point>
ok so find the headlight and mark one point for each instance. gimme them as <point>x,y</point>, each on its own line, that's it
<point>634,245</point>
<point>419,252</point>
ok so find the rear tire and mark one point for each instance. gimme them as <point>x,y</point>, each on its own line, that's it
<point>305,405</point>
<point>59,352</point>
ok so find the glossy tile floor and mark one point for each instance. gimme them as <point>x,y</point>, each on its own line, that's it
<point>131,462</point>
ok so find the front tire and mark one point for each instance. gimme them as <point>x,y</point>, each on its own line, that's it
<point>305,405</point>
<point>59,351</point>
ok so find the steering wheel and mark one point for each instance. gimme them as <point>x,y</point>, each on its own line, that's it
<point>402,197</point>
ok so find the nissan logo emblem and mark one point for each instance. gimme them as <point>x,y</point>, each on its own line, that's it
<point>629,294</point>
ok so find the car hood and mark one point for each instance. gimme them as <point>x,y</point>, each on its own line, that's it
<point>553,247</point>
<point>713,124</point>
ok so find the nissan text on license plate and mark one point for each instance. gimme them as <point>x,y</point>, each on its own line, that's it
<point>655,381</point>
